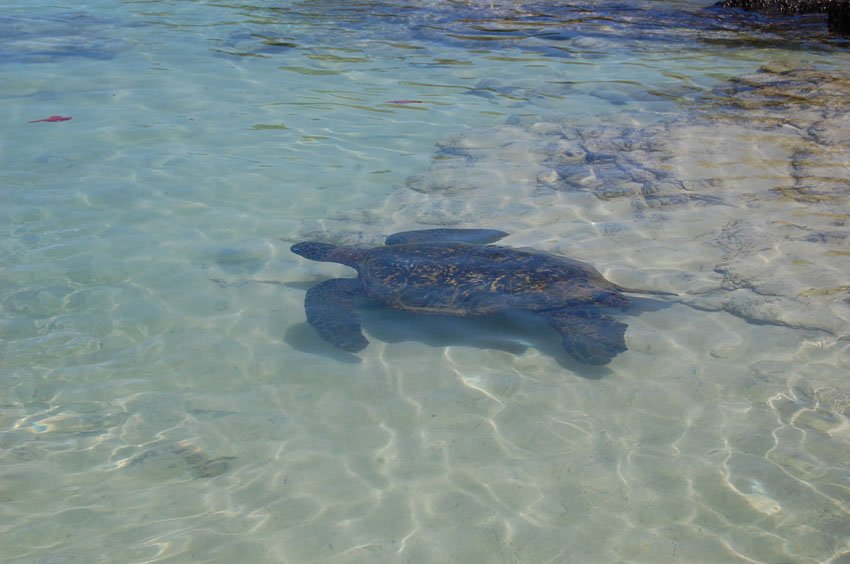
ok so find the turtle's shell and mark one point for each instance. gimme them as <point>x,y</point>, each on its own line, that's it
<point>465,279</point>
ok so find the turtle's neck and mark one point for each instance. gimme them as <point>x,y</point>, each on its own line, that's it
<point>346,255</point>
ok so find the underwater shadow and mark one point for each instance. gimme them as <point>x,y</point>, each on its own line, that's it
<point>512,332</point>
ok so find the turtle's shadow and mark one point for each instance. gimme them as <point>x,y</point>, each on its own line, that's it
<point>512,332</point>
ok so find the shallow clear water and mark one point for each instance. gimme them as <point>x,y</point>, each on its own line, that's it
<point>162,397</point>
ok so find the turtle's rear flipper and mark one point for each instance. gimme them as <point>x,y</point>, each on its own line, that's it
<point>590,338</point>
<point>471,236</point>
<point>331,311</point>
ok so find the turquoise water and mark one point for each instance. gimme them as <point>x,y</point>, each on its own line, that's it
<point>162,397</point>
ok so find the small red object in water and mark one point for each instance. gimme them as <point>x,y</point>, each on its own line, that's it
<point>52,119</point>
<point>404,102</point>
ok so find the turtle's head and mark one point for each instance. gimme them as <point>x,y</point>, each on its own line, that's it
<point>325,252</point>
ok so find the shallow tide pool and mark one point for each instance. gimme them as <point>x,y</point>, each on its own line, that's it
<point>163,399</point>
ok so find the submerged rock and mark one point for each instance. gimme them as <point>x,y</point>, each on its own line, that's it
<point>51,36</point>
<point>181,459</point>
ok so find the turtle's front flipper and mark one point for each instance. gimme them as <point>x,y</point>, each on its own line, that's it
<point>331,311</point>
<point>589,337</point>
<point>471,236</point>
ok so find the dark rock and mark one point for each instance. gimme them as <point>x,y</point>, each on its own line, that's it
<point>838,11</point>
<point>839,18</point>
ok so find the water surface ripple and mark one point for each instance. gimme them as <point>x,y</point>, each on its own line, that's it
<point>162,398</point>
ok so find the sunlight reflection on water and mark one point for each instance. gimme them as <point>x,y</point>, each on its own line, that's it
<point>164,397</point>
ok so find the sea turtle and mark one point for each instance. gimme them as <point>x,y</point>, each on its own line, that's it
<point>458,272</point>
